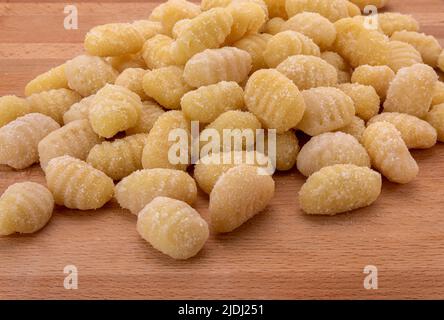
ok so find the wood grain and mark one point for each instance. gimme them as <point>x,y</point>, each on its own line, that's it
<point>280,254</point>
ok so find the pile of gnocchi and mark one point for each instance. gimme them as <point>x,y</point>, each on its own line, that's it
<point>362,93</point>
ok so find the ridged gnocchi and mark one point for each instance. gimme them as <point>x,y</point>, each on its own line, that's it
<point>206,103</point>
<point>255,45</point>
<point>114,109</point>
<point>214,65</point>
<point>173,227</point>
<point>55,78</point>
<point>389,153</point>
<point>25,208</point>
<point>74,139</point>
<point>331,148</point>
<point>77,185</point>
<point>308,72</point>
<point>141,187</point>
<point>19,139</point>
<point>379,77</point>
<point>132,78</point>
<point>340,188</point>
<point>365,99</point>
<point>119,158</point>
<point>13,107</point>
<point>274,100</point>
<point>333,10</point>
<point>327,109</point>
<point>149,114</point>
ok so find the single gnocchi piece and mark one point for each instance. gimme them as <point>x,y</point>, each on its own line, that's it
<point>79,110</point>
<point>416,133</point>
<point>331,148</point>
<point>333,10</point>
<point>237,196</point>
<point>365,99</point>
<point>286,44</point>
<point>438,93</point>
<point>402,55</point>
<point>156,52</point>
<point>113,39</point>
<point>213,165</point>
<point>436,118</point>
<point>411,91</point>
<point>355,128</point>
<point>19,139</point>
<point>87,74</point>
<point>166,85</point>
<point>114,109</point>
<point>74,139</point>
<point>176,10</point>
<point>25,208</point>
<point>53,103</point>
<point>149,114</point>
<point>340,188</point>
<point>314,26</point>
<point>52,79</point>
<point>427,46</point>
<point>119,158</point>
<point>141,187</point>
<point>160,151</point>
<point>214,65</point>
<point>235,129</point>
<point>308,72</point>
<point>255,45</point>
<point>360,45</point>
<point>132,79</point>
<point>13,107</point>
<point>206,5</point>
<point>391,22</point>
<point>379,77</point>
<point>206,31</point>
<point>274,99</point>
<point>248,18</point>
<point>180,26</point>
<point>208,102</point>
<point>389,153</point>
<point>77,185</point>
<point>287,150</point>
<point>327,109</point>
<point>274,25</point>
<point>173,227</point>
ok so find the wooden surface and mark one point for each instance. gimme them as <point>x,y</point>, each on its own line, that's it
<point>278,254</point>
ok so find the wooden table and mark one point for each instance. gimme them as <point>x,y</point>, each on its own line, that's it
<point>281,253</point>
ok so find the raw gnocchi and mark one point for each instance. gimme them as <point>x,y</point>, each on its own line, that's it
<point>274,99</point>
<point>333,10</point>
<point>255,45</point>
<point>327,109</point>
<point>79,110</point>
<point>25,208</point>
<point>365,99</point>
<point>77,185</point>
<point>308,72</point>
<point>389,153</point>
<point>411,91</point>
<point>237,196</point>
<point>379,77</point>
<point>436,118</point>
<point>119,158</point>
<point>149,114</point>
<point>208,102</point>
<point>416,133</point>
<point>132,78</point>
<point>87,74</point>
<point>19,139</point>
<point>74,139</point>
<point>331,148</point>
<point>114,109</point>
<point>340,188</point>
<point>52,79</point>
<point>173,227</point>
<point>141,187</point>
<point>53,103</point>
<point>13,107</point>
<point>214,65</point>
